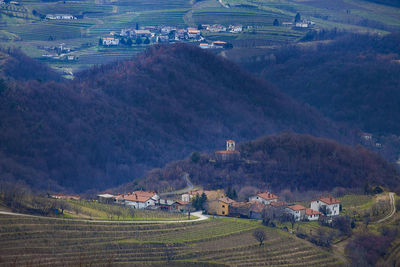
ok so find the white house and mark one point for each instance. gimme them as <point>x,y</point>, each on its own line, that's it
<point>298,211</point>
<point>332,205</point>
<point>110,41</point>
<point>236,28</point>
<point>141,199</point>
<point>193,33</point>
<point>60,16</point>
<point>301,25</point>
<point>312,215</point>
<point>266,198</point>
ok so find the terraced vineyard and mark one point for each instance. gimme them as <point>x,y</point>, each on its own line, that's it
<point>44,241</point>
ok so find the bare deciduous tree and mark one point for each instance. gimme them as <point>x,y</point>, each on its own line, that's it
<point>260,236</point>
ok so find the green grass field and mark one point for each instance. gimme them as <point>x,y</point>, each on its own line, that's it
<point>45,242</point>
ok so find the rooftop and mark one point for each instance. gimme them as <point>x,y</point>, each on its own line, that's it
<point>296,207</point>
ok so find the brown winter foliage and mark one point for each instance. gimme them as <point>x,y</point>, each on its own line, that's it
<point>114,122</point>
<point>295,161</point>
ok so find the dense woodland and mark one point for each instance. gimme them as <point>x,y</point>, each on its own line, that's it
<point>353,79</point>
<point>116,121</point>
<point>286,161</point>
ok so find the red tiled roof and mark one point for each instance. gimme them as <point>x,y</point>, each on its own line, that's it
<point>139,196</point>
<point>329,200</point>
<point>257,206</point>
<point>267,196</point>
<point>227,200</point>
<point>180,202</point>
<point>227,152</point>
<point>312,212</point>
<point>230,141</point>
<point>296,207</point>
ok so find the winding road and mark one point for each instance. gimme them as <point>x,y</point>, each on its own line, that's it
<point>393,204</point>
<point>189,187</point>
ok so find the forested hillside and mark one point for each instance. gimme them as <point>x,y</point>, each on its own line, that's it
<point>114,122</point>
<point>354,79</point>
<point>285,161</point>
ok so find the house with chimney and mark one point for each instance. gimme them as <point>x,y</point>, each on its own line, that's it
<point>328,205</point>
<point>265,198</point>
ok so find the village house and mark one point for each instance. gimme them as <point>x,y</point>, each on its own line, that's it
<point>67,197</point>
<point>298,211</point>
<point>141,33</point>
<point>211,194</point>
<point>265,198</point>
<point>312,215</point>
<point>165,30</point>
<point>235,28</point>
<point>330,204</point>
<point>287,24</point>
<point>138,199</point>
<point>106,198</point>
<point>216,28</point>
<point>229,154</point>
<point>60,16</point>
<point>220,206</point>
<point>301,25</point>
<point>205,46</point>
<point>219,44</point>
<point>110,41</point>
<point>193,33</point>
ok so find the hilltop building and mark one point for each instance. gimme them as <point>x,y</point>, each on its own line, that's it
<point>230,154</point>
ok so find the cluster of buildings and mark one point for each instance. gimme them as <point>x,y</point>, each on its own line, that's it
<point>166,34</point>
<point>60,52</point>
<point>219,204</point>
<point>144,200</point>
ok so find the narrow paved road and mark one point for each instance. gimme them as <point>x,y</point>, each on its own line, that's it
<point>198,214</point>
<point>189,187</point>
<point>393,204</point>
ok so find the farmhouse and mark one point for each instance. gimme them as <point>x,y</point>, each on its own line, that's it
<point>312,215</point>
<point>140,199</point>
<point>110,41</point>
<point>328,205</point>
<point>229,154</point>
<point>265,198</point>
<point>193,33</point>
<point>211,194</point>
<point>298,211</point>
<point>220,206</point>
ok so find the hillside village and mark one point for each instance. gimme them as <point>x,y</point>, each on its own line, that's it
<point>217,202</point>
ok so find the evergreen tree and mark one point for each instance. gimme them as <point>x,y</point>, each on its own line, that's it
<point>147,40</point>
<point>276,22</point>
<point>297,18</point>
<point>138,40</point>
<point>100,41</point>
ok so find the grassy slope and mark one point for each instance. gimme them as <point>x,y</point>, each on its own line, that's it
<point>216,241</point>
